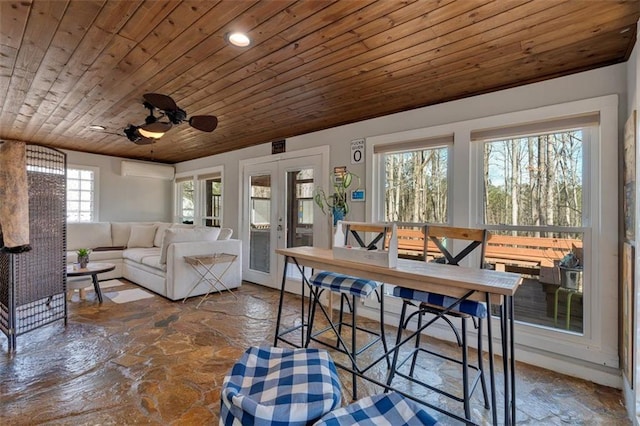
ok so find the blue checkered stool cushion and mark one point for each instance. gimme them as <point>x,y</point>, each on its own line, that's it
<point>344,283</point>
<point>470,307</point>
<point>279,386</point>
<point>390,409</point>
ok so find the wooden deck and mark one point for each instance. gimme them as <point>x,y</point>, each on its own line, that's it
<point>533,305</point>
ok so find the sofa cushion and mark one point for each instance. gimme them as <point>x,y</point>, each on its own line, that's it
<point>120,232</point>
<point>138,254</point>
<point>183,225</point>
<point>225,233</point>
<point>179,235</point>
<point>154,262</point>
<point>142,236</point>
<point>88,235</point>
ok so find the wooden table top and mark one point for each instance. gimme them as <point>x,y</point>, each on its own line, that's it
<point>74,270</point>
<point>450,280</point>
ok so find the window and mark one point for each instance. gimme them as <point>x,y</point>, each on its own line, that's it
<point>199,198</point>
<point>211,185</point>
<point>304,187</point>
<point>547,178</point>
<point>186,200</point>
<point>415,180</point>
<point>82,194</point>
<point>532,187</point>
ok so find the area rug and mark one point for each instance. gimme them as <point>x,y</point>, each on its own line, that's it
<point>103,284</point>
<point>108,283</point>
<point>126,296</point>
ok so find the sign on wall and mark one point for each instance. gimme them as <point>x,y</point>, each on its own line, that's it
<point>357,151</point>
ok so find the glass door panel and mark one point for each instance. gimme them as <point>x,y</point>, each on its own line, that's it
<point>279,210</point>
<point>260,223</point>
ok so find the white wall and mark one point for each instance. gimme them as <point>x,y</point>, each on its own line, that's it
<point>126,198</point>
<point>632,396</point>
<point>603,81</point>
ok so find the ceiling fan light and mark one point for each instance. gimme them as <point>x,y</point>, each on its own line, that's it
<point>148,134</point>
<point>239,39</point>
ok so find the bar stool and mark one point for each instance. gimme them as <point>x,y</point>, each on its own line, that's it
<point>346,286</point>
<point>277,386</point>
<point>390,409</point>
<point>444,307</point>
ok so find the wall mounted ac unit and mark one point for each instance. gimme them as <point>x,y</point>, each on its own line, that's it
<point>156,171</point>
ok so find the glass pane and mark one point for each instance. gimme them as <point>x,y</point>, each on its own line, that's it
<point>551,264</point>
<point>534,181</point>
<point>260,233</point>
<point>80,186</point>
<point>300,208</point>
<point>300,187</point>
<point>213,200</point>
<point>73,195</point>
<point>416,187</point>
<point>305,212</point>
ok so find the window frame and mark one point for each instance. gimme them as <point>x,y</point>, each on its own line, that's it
<point>375,207</point>
<point>598,345</point>
<point>95,209</point>
<point>199,178</point>
<point>589,136</point>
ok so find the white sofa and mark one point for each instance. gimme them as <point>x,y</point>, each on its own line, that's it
<point>151,254</point>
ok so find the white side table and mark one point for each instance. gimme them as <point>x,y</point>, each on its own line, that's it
<point>204,265</point>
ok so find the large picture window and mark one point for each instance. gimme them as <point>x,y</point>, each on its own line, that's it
<point>533,188</point>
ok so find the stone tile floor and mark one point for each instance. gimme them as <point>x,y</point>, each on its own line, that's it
<point>153,361</point>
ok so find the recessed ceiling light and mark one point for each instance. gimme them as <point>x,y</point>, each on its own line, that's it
<point>97,127</point>
<point>239,39</point>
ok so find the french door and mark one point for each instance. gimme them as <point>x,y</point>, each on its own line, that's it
<point>279,212</point>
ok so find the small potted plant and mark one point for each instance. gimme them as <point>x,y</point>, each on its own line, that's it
<point>83,256</point>
<point>336,203</point>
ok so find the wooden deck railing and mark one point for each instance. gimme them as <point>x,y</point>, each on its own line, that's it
<point>505,252</point>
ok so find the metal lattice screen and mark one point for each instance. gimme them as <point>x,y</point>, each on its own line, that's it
<point>33,284</point>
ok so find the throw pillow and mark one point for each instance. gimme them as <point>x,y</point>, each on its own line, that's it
<point>157,242</point>
<point>181,235</point>
<point>225,233</point>
<point>142,236</point>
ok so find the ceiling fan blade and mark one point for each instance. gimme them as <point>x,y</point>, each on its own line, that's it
<point>205,123</point>
<point>160,101</point>
<point>156,127</point>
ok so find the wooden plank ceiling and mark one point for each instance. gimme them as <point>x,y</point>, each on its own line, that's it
<point>312,64</point>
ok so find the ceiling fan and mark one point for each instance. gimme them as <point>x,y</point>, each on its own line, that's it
<point>155,127</point>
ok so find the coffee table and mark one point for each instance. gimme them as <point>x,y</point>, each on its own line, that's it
<point>92,269</point>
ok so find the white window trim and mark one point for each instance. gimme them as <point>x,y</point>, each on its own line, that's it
<point>580,355</point>
<point>95,214</point>
<point>198,196</point>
